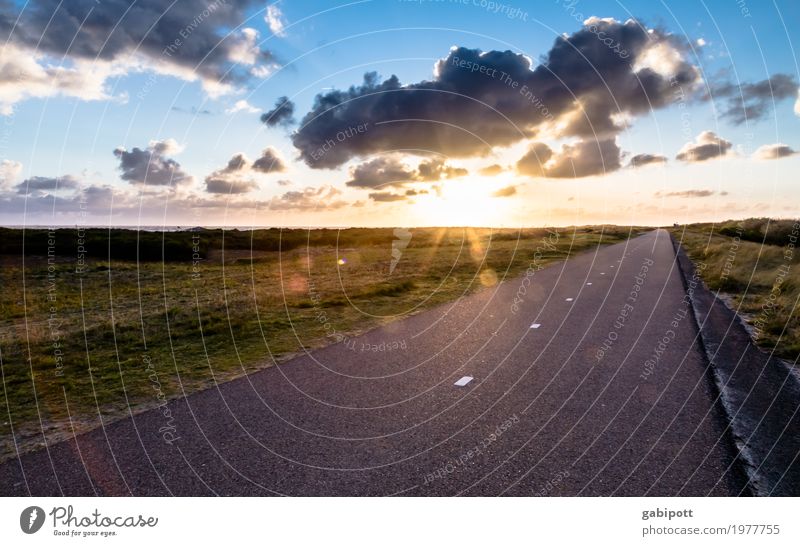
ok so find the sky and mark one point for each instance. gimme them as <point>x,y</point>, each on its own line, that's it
<point>397,112</point>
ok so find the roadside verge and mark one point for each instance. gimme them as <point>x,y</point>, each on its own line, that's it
<point>760,396</point>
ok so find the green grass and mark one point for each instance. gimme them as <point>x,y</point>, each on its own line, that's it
<point>753,265</point>
<point>99,342</point>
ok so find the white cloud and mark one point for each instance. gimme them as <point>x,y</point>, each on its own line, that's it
<point>274,19</point>
<point>797,104</point>
<point>243,106</point>
<point>701,42</point>
<point>9,171</point>
<point>26,74</point>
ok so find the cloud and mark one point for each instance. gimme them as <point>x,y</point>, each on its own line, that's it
<point>707,146</point>
<point>508,191</point>
<point>269,162</point>
<point>583,158</point>
<point>242,106</point>
<point>282,115</point>
<point>748,102</point>
<point>532,163</point>
<point>274,20</point>
<point>392,171</point>
<point>9,171</point>
<point>774,151</point>
<point>480,100</point>
<point>309,199</point>
<point>47,184</point>
<point>688,193</point>
<point>228,185</point>
<point>438,169</point>
<point>492,170</point>
<point>150,166</point>
<point>379,172</point>
<point>284,182</point>
<point>640,160</point>
<point>73,48</point>
<point>386,197</point>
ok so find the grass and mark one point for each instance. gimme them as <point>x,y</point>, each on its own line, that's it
<point>754,266</point>
<point>122,335</point>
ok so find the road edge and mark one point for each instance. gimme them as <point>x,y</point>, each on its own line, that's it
<point>755,391</point>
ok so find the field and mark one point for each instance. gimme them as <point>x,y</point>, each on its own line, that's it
<point>95,324</point>
<point>753,264</point>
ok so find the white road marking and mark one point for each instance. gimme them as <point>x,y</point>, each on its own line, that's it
<point>535,325</point>
<point>463,381</point>
<point>569,299</point>
<point>603,273</point>
<point>588,284</point>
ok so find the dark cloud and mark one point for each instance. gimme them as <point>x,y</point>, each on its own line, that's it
<point>492,170</point>
<point>584,158</point>
<point>283,182</point>
<point>47,184</point>
<point>379,172</point>
<point>151,166</point>
<point>392,171</point>
<point>269,162</point>
<point>750,102</point>
<point>309,199</point>
<point>193,35</point>
<point>707,145</point>
<point>532,163</point>
<point>640,160</point>
<point>229,185</point>
<point>774,151</point>
<point>688,193</point>
<point>508,191</point>
<point>438,169</point>
<point>386,196</point>
<point>282,114</point>
<point>583,88</point>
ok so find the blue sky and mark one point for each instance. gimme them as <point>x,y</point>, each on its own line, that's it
<point>134,97</point>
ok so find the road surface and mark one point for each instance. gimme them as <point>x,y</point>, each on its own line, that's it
<point>609,395</point>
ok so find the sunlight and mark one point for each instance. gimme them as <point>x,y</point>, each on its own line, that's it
<point>463,202</point>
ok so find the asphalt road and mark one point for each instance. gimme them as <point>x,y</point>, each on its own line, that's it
<point>600,399</point>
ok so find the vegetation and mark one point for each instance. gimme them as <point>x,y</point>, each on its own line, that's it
<point>753,264</point>
<point>86,329</point>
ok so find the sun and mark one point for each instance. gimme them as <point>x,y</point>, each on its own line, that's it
<point>463,202</point>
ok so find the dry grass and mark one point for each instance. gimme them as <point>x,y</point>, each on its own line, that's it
<point>117,337</point>
<point>760,280</point>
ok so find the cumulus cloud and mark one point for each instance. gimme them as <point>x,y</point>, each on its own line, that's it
<point>749,102</point>
<point>229,185</point>
<point>232,178</point>
<point>9,171</point>
<point>75,47</point>
<point>269,162</point>
<point>491,170</point>
<point>480,100</point>
<point>583,158</point>
<point>392,171</point>
<point>150,166</point>
<point>707,145</point>
<point>282,114</point>
<point>47,184</point>
<point>274,20</point>
<point>242,106</point>
<point>386,196</point>
<point>640,160</point>
<point>774,151</point>
<point>508,191</point>
<point>309,199</point>
<point>688,193</point>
